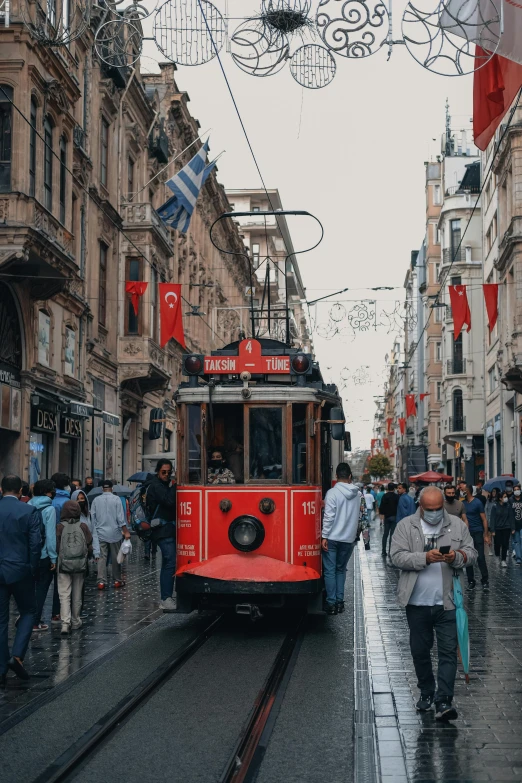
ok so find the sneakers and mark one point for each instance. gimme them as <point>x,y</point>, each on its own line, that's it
<point>101,585</point>
<point>119,583</point>
<point>66,629</point>
<point>340,607</point>
<point>76,626</point>
<point>485,585</point>
<point>331,609</point>
<point>425,702</point>
<point>445,711</point>
<point>471,585</point>
<point>56,620</point>
<point>503,564</point>
<point>40,627</point>
<point>168,605</point>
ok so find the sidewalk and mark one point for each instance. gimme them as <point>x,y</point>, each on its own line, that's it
<point>485,743</point>
<point>112,616</point>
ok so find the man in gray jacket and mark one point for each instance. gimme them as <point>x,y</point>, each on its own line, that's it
<point>426,590</point>
<point>340,521</point>
<point>109,522</point>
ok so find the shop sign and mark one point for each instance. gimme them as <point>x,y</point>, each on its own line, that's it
<point>43,420</point>
<point>81,409</point>
<point>70,427</point>
<point>111,418</point>
<point>9,375</point>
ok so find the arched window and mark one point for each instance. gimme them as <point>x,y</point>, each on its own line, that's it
<point>48,164</point>
<point>6,119</point>
<point>32,149</point>
<point>458,411</point>
<point>63,177</point>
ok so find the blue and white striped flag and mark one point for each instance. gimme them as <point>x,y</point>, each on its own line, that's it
<point>186,185</point>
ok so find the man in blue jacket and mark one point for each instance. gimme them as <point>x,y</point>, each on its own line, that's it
<point>43,494</point>
<point>406,505</point>
<point>20,549</point>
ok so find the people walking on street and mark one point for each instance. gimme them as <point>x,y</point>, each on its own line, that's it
<point>43,493</point>
<point>20,551</point>
<point>378,497</point>
<point>406,506</point>
<point>388,511</point>
<point>74,544</point>
<point>369,499</point>
<point>501,523</point>
<point>62,483</point>
<point>161,506</point>
<point>340,522</point>
<point>426,591</point>
<point>452,504</point>
<point>492,499</point>
<point>85,516</point>
<point>479,493</point>
<point>478,528</point>
<point>109,521</point>
<point>516,505</point>
<point>89,484</point>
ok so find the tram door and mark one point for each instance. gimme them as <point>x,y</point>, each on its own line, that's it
<point>326,459</point>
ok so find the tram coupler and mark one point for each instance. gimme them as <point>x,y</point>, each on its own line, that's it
<point>251,610</point>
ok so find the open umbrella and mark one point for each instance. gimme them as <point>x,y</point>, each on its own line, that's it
<point>141,475</point>
<point>118,489</point>
<point>430,476</point>
<point>462,625</point>
<point>499,482</point>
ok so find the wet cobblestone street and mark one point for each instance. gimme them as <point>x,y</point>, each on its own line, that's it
<point>111,616</point>
<point>484,744</point>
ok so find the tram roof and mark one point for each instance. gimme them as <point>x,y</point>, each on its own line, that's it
<point>259,393</point>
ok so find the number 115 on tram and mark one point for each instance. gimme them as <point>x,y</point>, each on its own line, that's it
<point>260,435</point>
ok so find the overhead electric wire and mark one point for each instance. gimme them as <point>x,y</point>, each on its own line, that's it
<point>104,213</point>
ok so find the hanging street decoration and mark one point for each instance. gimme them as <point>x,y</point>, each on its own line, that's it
<point>171,320</point>
<point>491,299</point>
<point>136,289</point>
<point>354,29</point>
<point>190,32</point>
<point>459,309</point>
<point>402,425</point>
<point>411,405</point>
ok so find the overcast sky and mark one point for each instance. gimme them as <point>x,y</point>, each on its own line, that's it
<point>352,154</point>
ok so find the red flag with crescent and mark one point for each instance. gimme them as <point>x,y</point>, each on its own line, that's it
<point>411,407</point>
<point>459,308</point>
<point>136,289</point>
<point>402,425</point>
<point>171,322</point>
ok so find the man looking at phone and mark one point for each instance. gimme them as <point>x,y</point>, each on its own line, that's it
<point>428,547</point>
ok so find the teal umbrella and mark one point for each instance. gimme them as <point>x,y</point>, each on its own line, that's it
<point>462,626</point>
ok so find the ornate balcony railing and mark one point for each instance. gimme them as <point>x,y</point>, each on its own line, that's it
<point>456,367</point>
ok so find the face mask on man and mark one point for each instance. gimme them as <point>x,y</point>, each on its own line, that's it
<point>433,517</point>
<point>517,493</point>
<point>504,500</point>
<point>450,498</point>
<point>67,488</point>
<point>509,490</point>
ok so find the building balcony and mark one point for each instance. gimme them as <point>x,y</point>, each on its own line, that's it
<point>143,217</point>
<point>143,361</point>
<point>455,367</point>
<point>450,256</point>
<point>457,424</point>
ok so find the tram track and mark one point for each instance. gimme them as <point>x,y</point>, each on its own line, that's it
<point>247,754</point>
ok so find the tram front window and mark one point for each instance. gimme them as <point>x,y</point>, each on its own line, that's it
<point>266,444</point>
<point>225,452</point>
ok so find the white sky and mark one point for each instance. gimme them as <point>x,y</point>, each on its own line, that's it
<point>352,154</point>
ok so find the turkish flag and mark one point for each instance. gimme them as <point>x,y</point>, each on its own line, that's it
<point>171,322</point>
<point>402,425</point>
<point>491,298</point>
<point>411,408</point>
<point>459,309</point>
<point>373,442</point>
<point>388,425</point>
<point>135,288</point>
<point>495,86</point>
<point>422,396</point>
<point>386,444</point>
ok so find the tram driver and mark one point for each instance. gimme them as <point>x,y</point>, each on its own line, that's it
<point>218,473</point>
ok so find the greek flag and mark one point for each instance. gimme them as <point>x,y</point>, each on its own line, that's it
<point>186,185</point>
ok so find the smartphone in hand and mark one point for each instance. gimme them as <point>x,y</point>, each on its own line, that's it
<point>444,550</point>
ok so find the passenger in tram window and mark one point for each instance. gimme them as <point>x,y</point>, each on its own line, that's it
<point>218,473</point>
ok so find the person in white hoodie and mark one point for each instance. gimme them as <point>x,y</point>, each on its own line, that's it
<point>340,521</point>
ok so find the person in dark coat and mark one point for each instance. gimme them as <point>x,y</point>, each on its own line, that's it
<point>388,511</point>
<point>20,549</point>
<point>161,507</point>
<point>501,523</point>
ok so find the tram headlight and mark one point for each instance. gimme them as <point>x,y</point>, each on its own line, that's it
<point>246,533</point>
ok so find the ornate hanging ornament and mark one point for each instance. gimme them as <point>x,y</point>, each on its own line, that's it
<point>58,23</point>
<point>136,12</point>
<point>353,28</point>
<point>286,16</point>
<point>189,32</point>
<point>443,38</point>
<point>118,43</point>
<point>259,49</point>
<point>362,316</point>
<point>313,66</point>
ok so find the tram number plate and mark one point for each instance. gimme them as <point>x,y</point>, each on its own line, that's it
<point>309,507</point>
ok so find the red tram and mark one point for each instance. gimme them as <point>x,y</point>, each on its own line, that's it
<point>254,541</point>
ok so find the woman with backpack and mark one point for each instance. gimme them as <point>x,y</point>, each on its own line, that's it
<point>74,546</point>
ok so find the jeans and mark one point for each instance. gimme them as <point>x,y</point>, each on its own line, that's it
<point>478,543</point>
<point>423,621</point>
<point>23,593</point>
<point>168,566</point>
<point>43,581</point>
<point>335,563</point>
<point>107,549</point>
<point>501,541</point>
<point>389,528</point>
<point>517,540</point>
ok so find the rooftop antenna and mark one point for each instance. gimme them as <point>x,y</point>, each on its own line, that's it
<point>449,140</point>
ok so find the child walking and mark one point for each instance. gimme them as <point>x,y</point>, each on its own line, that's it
<point>74,545</point>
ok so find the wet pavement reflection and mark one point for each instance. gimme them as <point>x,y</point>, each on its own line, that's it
<point>484,744</point>
<point>111,616</point>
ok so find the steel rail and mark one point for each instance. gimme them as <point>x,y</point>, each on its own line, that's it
<point>65,764</point>
<point>247,757</point>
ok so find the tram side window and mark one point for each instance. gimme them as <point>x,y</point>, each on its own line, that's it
<point>299,444</point>
<point>194,443</point>
<point>266,444</point>
<point>225,434</point>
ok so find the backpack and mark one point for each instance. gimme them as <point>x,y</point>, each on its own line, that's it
<point>139,516</point>
<point>73,549</point>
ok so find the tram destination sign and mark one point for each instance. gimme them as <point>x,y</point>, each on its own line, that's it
<point>249,360</point>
